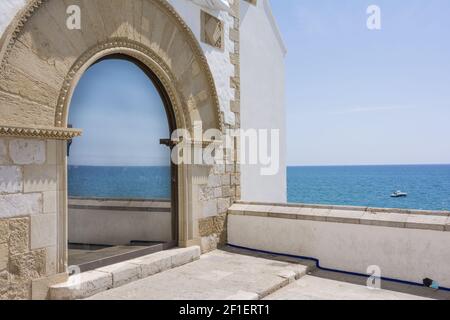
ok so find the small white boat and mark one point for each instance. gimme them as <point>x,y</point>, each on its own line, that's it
<point>399,194</point>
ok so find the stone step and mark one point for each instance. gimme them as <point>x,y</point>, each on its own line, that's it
<point>93,282</point>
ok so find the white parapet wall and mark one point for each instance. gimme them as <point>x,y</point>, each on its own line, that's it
<point>118,222</point>
<point>406,245</point>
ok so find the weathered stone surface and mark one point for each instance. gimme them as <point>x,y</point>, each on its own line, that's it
<point>40,178</point>
<point>226,191</point>
<point>153,264</point>
<point>383,219</point>
<point>223,205</point>
<point>225,180</point>
<point>123,273</point>
<point>237,209</point>
<point>43,231</point>
<point>41,287</point>
<point>243,295</point>
<point>50,202</point>
<point>19,290</point>
<point>4,279</point>
<point>3,152</point>
<point>210,208</point>
<point>415,221</point>
<point>206,227</point>
<point>17,205</point>
<point>28,266</point>
<point>183,256</point>
<point>23,151</point>
<point>284,212</point>
<point>211,225</point>
<point>19,236</point>
<point>320,288</point>
<point>18,83</point>
<point>51,261</point>
<point>52,149</point>
<point>345,216</point>
<point>216,275</point>
<point>81,286</point>
<point>214,181</point>
<point>4,231</point>
<point>32,112</point>
<point>103,279</point>
<point>258,210</point>
<point>209,243</point>
<point>11,180</point>
<point>4,256</point>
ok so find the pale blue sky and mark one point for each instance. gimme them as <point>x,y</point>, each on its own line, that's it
<point>122,117</point>
<point>356,96</point>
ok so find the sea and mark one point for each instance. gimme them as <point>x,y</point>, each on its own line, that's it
<point>428,186</point>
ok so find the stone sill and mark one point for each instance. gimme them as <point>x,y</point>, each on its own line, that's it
<point>120,205</point>
<point>393,218</point>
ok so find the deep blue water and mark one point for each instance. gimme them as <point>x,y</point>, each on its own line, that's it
<point>119,182</point>
<point>428,186</point>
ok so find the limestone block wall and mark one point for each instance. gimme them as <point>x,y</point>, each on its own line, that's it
<point>202,81</point>
<point>223,186</point>
<point>28,214</point>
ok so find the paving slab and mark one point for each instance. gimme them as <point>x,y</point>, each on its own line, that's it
<point>315,288</point>
<point>219,275</point>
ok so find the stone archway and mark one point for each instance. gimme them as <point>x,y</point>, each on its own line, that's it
<point>42,61</point>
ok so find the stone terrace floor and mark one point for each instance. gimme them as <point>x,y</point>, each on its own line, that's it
<point>231,274</point>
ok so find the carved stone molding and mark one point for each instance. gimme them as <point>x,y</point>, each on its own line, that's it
<point>132,49</point>
<point>16,28</point>
<point>39,133</point>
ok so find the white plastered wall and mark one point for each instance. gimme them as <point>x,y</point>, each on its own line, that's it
<point>400,253</point>
<point>262,96</point>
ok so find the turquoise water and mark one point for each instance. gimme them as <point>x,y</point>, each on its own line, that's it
<point>428,186</point>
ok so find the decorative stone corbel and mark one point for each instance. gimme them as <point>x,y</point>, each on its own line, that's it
<point>219,5</point>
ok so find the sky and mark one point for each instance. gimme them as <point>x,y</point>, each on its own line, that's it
<point>122,117</point>
<point>360,96</point>
<point>354,96</point>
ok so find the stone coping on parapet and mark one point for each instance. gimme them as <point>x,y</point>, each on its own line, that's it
<point>142,205</point>
<point>51,133</point>
<point>394,218</point>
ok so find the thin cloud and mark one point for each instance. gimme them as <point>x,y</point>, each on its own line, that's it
<point>372,109</point>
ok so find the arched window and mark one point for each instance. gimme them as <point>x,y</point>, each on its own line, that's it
<point>119,175</point>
